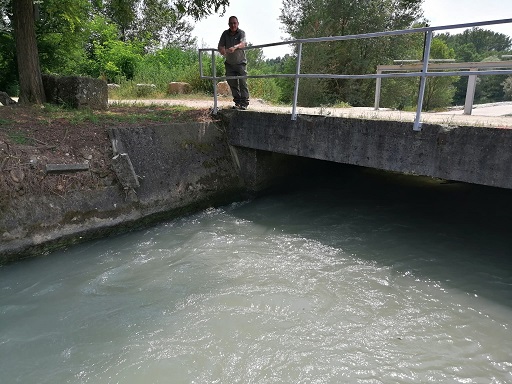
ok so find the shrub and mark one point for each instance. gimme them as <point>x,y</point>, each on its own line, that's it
<point>190,75</point>
<point>264,88</point>
<point>507,87</point>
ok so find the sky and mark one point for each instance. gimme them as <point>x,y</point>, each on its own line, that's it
<point>260,20</point>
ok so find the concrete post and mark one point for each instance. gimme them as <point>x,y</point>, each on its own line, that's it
<point>377,90</point>
<point>470,92</point>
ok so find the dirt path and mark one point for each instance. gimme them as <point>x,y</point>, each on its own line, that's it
<point>493,115</point>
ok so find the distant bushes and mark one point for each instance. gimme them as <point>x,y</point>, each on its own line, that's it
<point>177,65</point>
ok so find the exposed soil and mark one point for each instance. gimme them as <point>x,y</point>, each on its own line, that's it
<point>31,137</point>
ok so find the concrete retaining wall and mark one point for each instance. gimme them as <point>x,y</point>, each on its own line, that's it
<point>180,168</point>
<point>163,171</point>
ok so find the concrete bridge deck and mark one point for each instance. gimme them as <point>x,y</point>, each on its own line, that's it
<point>472,154</point>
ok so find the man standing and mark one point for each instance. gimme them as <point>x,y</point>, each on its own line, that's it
<point>231,46</point>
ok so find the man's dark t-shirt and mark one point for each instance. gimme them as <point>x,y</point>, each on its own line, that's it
<point>228,40</point>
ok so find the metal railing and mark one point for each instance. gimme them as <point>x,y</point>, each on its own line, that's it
<point>423,74</point>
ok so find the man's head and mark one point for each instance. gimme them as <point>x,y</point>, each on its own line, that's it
<point>233,23</point>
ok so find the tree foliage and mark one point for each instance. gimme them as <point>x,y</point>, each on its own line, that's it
<point>152,22</point>
<point>439,90</point>
<point>319,18</point>
<point>507,87</point>
<point>475,45</point>
<point>61,34</point>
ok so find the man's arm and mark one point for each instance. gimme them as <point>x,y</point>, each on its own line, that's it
<point>222,45</point>
<point>240,45</point>
<point>235,47</point>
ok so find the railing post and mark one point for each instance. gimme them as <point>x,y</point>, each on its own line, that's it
<point>296,88</point>
<point>470,93</point>
<point>377,90</point>
<point>423,80</point>
<point>214,75</point>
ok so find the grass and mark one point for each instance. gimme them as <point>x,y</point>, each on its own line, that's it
<point>18,138</point>
<point>342,104</point>
<point>74,116</point>
<point>50,115</point>
<point>115,95</point>
<point>140,112</point>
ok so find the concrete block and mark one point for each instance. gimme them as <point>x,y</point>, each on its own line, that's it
<point>179,88</point>
<point>76,92</point>
<point>123,168</point>
<point>66,168</point>
<point>223,89</point>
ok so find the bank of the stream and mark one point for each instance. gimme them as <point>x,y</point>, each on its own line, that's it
<point>178,154</point>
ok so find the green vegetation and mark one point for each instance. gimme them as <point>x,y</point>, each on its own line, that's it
<point>148,42</point>
<point>319,18</point>
<point>18,138</point>
<point>475,45</point>
<point>52,115</point>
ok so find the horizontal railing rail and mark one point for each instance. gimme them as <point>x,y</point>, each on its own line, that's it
<point>423,73</point>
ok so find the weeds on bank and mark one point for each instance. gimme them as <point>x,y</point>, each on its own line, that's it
<point>13,120</point>
<point>18,138</point>
<point>52,112</point>
<point>143,113</point>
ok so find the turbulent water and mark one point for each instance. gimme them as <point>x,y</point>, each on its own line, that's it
<point>358,277</point>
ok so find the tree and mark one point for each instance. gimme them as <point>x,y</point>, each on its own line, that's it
<point>483,42</point>
<point>319,18</point>
<point>8,69</point>
<point>439,90</point>
<point>31,83</point>
<point>286,64</point>
<point>157,22</point>
<point>18,16</point>
<point>477,44</point>
<point>61,29</point>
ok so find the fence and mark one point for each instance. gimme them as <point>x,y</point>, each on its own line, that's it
<point>423,74</point>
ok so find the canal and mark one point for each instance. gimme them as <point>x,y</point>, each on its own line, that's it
<point>348,275</point>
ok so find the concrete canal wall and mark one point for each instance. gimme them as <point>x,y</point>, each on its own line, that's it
<point>163,172</point>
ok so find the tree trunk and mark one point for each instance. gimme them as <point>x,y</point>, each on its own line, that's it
<point>29,71</point>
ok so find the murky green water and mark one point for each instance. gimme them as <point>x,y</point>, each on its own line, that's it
<point>360,278</point>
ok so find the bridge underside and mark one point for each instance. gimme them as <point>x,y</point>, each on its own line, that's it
<point>477,155</point>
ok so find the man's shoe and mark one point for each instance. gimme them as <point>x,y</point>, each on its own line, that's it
<point>236,106</point>
<point>243,107</point>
